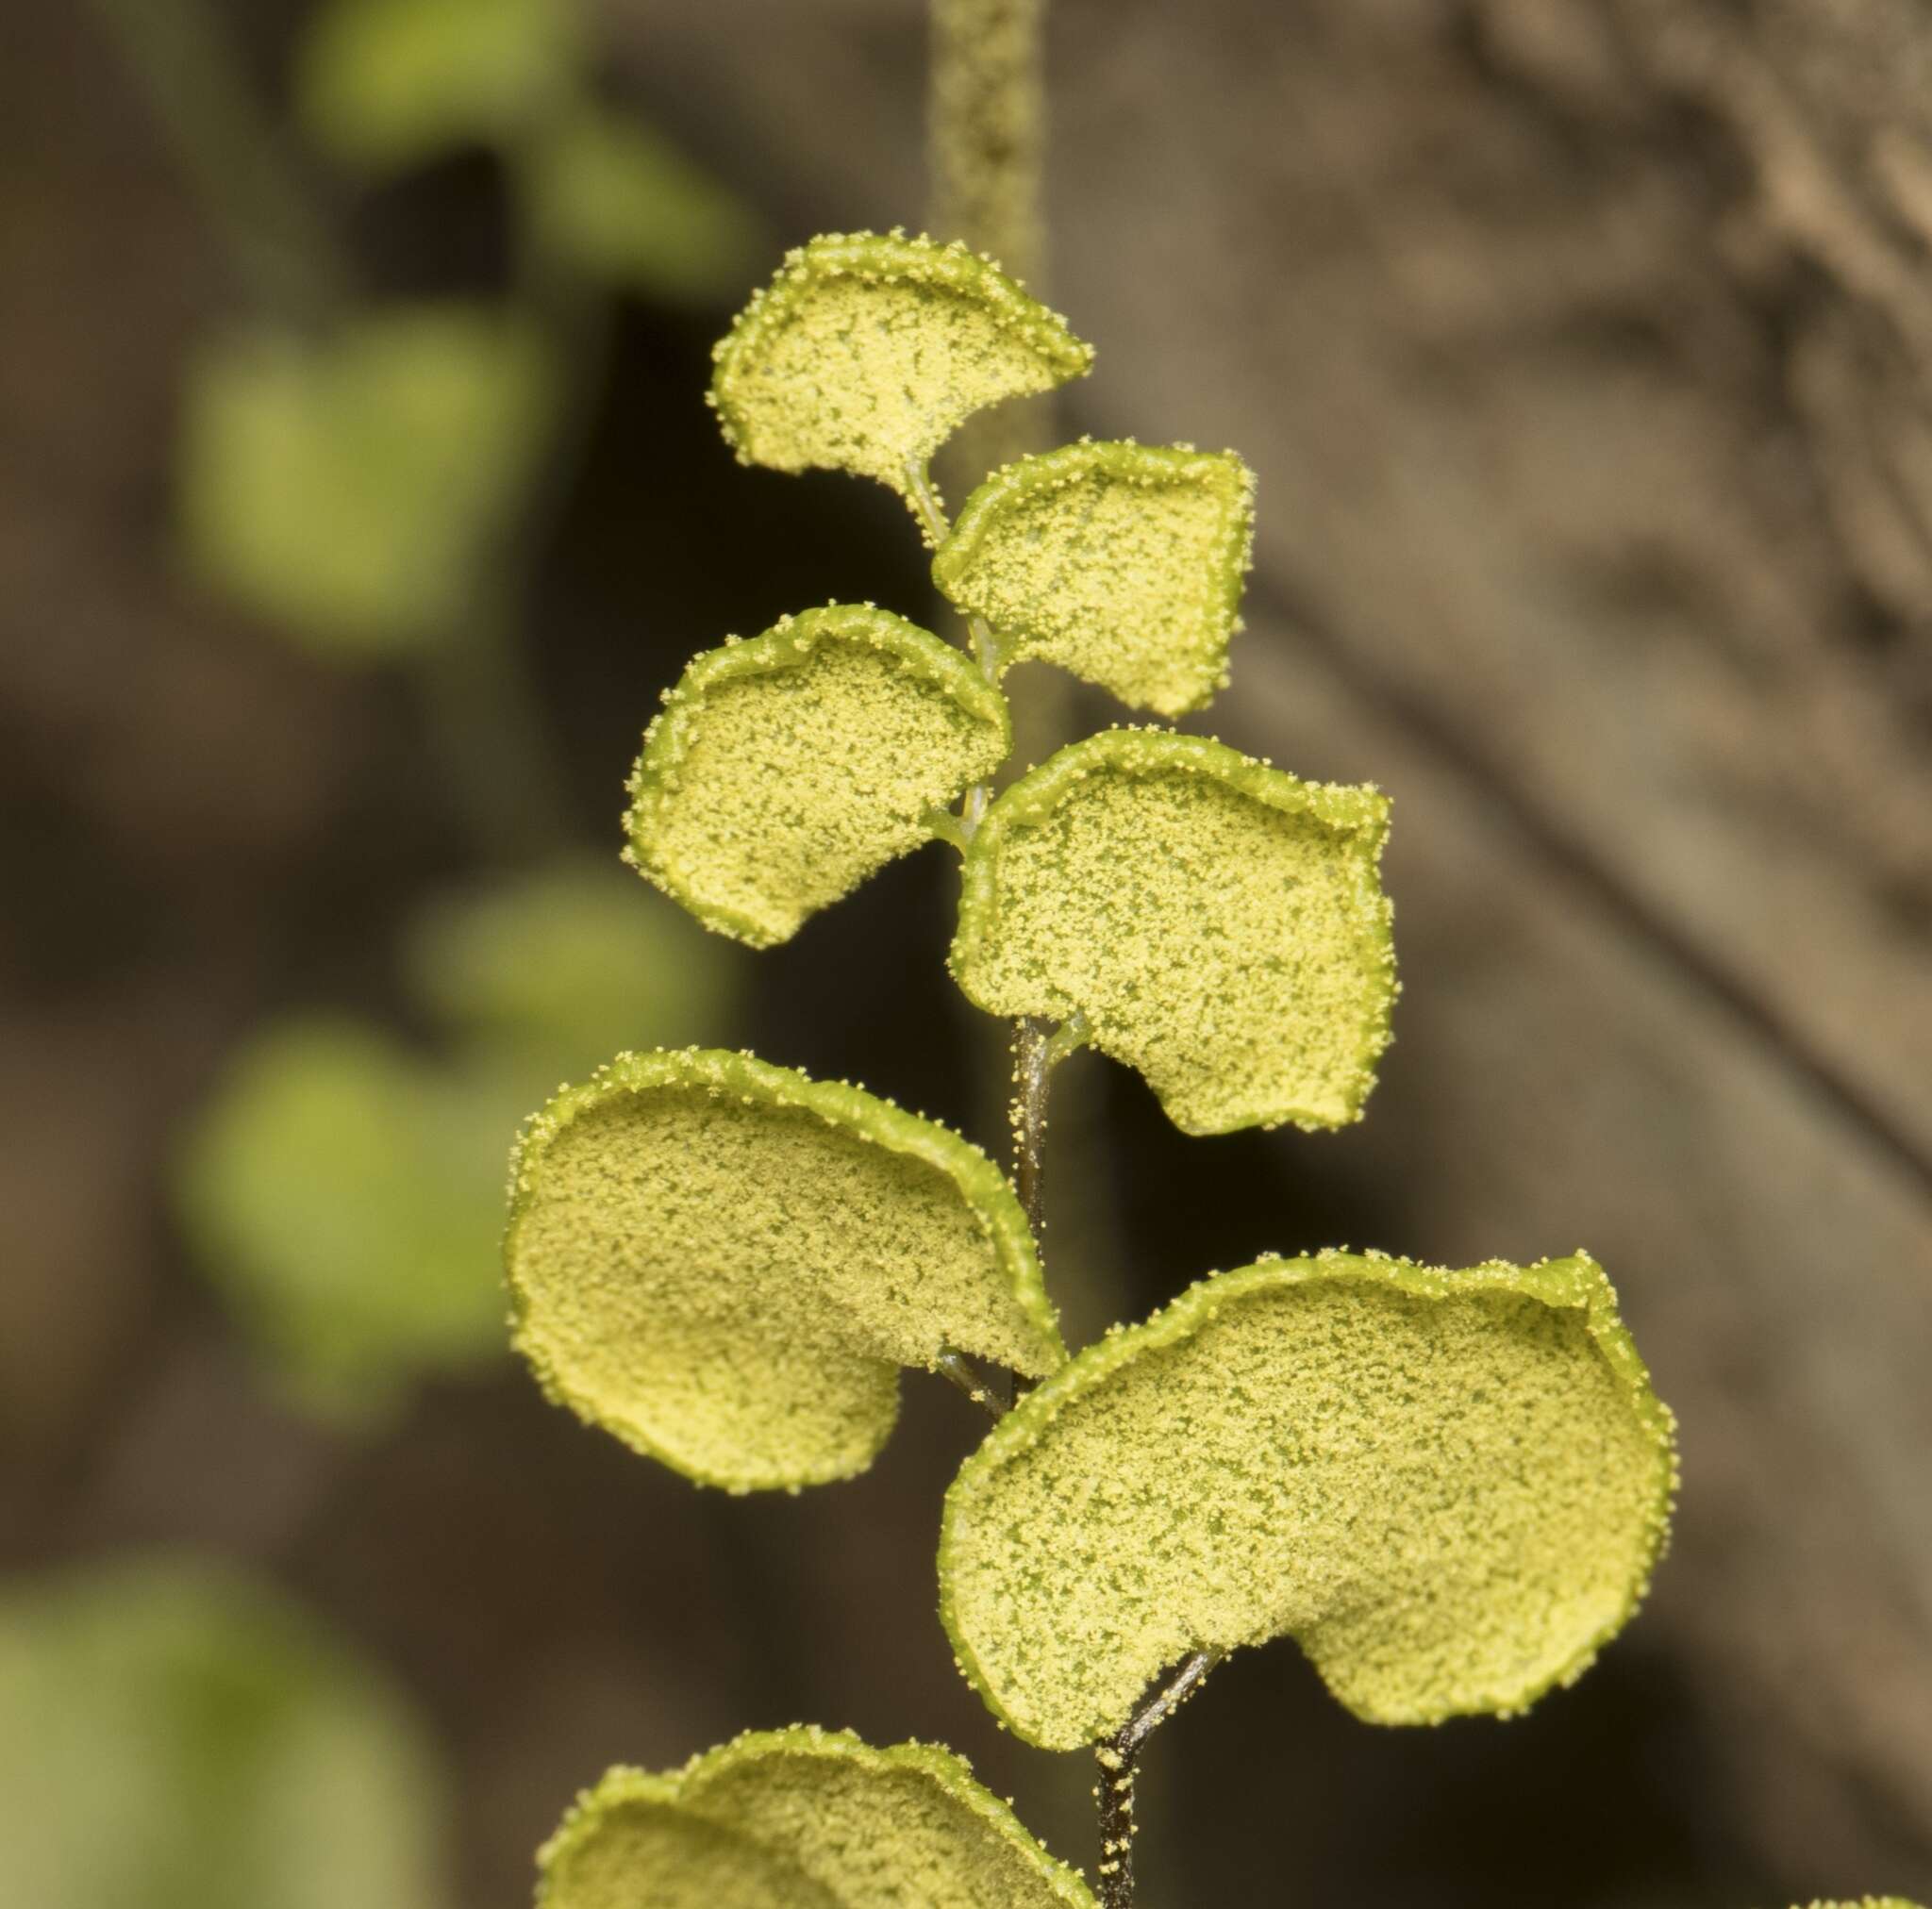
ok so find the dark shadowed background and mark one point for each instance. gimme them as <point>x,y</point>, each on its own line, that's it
<point>1584,352</point>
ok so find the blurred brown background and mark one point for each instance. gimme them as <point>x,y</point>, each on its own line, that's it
<point>1584,351</point>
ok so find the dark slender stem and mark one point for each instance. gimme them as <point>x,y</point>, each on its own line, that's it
<point>1032,1078</point>
<point>1116,1795</point>
<point>1118,1759</point>
<point>1038,1047</point>
<point>1032,1071</point>
<point>486,716</point>
<point>934,526</point>
<point>235,157</point>
<point>958,1368</point>
<point>1162,1703</point>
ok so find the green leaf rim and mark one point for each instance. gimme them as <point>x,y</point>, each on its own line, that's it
<point>1863,1902</point>
<point>1146,751</point>
<point>837,1104</point>
<point>949,1771</point>
<point>885,257</point>
<point>1576,1283</point>
<point>787,645</point>
<point>1129,464</point>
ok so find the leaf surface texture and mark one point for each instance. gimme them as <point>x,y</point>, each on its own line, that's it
<point>868,351</point>
<point>1221,924</point>
<point>784,771</point>
<point>801,1818</point>
<point>1122,563</point>
<point>1449,1487</point>
<point>725,1264</point>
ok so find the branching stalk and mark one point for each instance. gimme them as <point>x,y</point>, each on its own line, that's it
<point>1038,1047</point>
<point>987,133</point>
<point>947,827</point>
<point>935,525</point>
<point>986,119</point>
<point>1027,1133</point>
<point>1119,1760</point>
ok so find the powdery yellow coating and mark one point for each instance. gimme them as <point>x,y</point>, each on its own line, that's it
<point>725,1264</point>
<point>801,1818</point>
<point>1221,924</point>
<point>783,772</point>
<point>868,351</point>
<point>1120,563</point>
<point>1449,1487</point>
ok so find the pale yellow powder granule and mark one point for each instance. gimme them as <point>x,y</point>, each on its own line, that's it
<point>1449,1487</point>
<point>1220,924</point>
<point>1120,563</point>
<point>867,352</point>
<point>801,1818</point>
<point>725,1264</point>
<point>783,772</point>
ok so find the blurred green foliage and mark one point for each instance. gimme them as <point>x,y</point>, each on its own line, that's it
<point>350,481</point>
<point>349,489</point>
<point>344,1195</point>
<point>561,967</point>
<point>360,484</point>
<point>619,202</point>
<point>176,1737</point>
<point>385,84</point>
<point>360,477</point>
<point>344,1190</point>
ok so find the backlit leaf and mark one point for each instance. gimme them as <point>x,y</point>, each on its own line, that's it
<point>383,84</point>
<point>867,352</point>
<point>346,1195</point>
<point>1868,1902</point>
<point>349,488</point>
<point>784,771</point>
<point>614,197</point>
<point>177,1736</point>
<point>725,1264</point>
<point>1219,924</point>
<point>801,1818</point>
<point>1449,1487</point>
<point>1120,563</point>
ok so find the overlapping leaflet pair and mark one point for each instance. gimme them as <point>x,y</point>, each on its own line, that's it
<point>1450,1488</point>
<point>808,1818</point>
